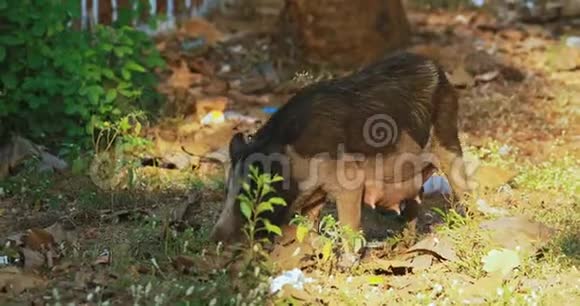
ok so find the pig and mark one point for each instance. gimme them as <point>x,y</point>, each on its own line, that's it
<point>383,123</point>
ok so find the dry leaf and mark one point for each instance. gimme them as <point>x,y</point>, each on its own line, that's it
<point>15,281</point>
<point>206,105</point>
<point>137,270</point>
<point>183,264</point>
<point>294,255</point>
<point>393,266</point>
<point>493,177</point>
<point>480,62</point>
<point>289,291</point>
<point>102,278</point>
<point>436,246</point>
<point>421,262</point>
<point>199,27</point>
<point>564,59</point>
<point>460,78</point>
<point>519,232</point>
<point>486,209</point>
<point>82,278</point>
<point>63,267</point>
<point>34,259</point>
<point>105,258</point>
<point>239,97</point>
<point>38,240</point>
<point>60,234</point>
<point>533,43</point>
<point>408,283</point>
<point>216,87</point>
<point>182,78</point>
<point>482,288</point>
<point>203,66</point>
<point>512,34</point>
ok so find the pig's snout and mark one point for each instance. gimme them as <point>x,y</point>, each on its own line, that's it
<point>220,234</point>
<point>227,229</point>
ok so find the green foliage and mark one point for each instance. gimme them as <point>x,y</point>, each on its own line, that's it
<point>253,206</point>
<point>29,187</point>
<point>451,218</point>
<point>349,240</point>
<point>113,144</point>
<point>332,235</point>
<point>56,81</point>
<point>556,174</point>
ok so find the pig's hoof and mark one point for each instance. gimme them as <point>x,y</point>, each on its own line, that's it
<point>410,211</point>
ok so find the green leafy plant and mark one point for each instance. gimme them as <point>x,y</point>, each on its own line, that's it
<point>55,80</point>
<point>113,144</point>
<point>349,240</point>
<point>253,205</point>
<point>303,226</point>
<point>451,218</point>
<point>332,235</point>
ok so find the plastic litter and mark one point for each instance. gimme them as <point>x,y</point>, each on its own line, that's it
<point>7,260</point>
<point>4,260</point>
<point>478,3</point>
<point>213,117</point>
<point>504,150</point>
<point>235,116</point>
<point>194,44</point>
<point>269,109</point>
<point>294,277</point>
<point>436,185</point>
<point>225,69</point>
<point>573,41</point>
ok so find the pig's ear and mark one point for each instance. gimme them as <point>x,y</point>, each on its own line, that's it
<point>237,145</point>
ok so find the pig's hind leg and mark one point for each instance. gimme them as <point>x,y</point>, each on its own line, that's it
<point>446,144</point>
<point>348,206</point>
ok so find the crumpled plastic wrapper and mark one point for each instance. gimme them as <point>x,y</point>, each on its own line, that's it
<point>294,277</point>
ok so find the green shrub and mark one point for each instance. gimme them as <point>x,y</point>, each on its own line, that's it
<point>55,82</point>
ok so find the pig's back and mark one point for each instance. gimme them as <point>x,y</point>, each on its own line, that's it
<point>323,115</point>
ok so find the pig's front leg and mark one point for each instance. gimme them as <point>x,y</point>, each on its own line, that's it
<point>349,206</point>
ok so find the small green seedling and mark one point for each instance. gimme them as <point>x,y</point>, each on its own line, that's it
<point>253,206</point>
<point>303,227</point>
<point>333,235</point>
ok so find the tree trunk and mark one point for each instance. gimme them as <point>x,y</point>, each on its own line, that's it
<point>346,33</point>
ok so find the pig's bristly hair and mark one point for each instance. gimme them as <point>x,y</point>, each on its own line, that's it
<point>324,114</point>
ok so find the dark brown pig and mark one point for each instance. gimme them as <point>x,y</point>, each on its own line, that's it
<point>383,123</point>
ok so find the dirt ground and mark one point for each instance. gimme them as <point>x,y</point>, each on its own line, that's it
<point>143,238</point>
